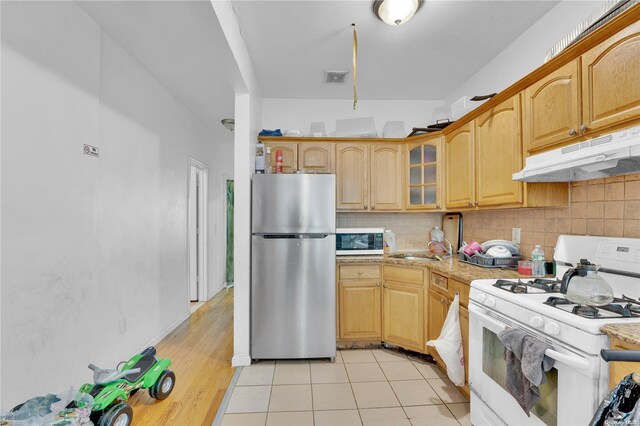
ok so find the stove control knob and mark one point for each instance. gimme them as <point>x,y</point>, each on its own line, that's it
<point>536,322</point>
<point>552,328</point>
<point>491,302</point>
<point>482,297</point>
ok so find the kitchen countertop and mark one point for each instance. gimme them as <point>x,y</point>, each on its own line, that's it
<point>452,267</point>
<point>627,332</point>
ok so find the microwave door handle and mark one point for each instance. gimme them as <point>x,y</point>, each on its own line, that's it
<point>572,361</point>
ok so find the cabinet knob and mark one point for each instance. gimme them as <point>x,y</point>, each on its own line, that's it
<point>373,207</point>
<point>470,204</point>
<point>360,272</point>
<point>437,206</point>
<point>572,132</point>
<point>365,206</point>
<point>378,284</point>
<point>384,285</point>
<point>583,128</point>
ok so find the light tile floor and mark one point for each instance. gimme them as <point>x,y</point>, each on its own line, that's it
<point>363,387</point>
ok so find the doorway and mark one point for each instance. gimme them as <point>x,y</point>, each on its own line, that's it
<point>229,234</point>
<point>197,231</point>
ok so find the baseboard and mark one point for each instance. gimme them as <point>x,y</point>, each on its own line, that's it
<point>164,333</point>
<point>240,361</point>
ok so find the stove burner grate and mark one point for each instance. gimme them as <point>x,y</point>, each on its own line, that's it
<point>540,284</point>
<point>620,308</point>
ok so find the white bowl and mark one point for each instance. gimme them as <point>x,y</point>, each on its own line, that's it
<point>499,251</point>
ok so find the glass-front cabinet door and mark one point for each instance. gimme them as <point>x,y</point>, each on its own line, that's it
<point>424,174</point>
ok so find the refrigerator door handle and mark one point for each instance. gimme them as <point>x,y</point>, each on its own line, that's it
<point>292,236</point>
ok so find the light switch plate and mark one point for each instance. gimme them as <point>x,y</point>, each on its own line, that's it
<point>515,235</point>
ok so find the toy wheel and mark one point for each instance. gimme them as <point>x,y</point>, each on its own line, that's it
<point>117,415</point>
<point>163,386</point>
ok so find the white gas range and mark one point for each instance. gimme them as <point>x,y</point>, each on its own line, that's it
<point>579,379</point>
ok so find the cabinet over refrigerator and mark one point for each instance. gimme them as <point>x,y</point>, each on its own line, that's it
<point>293,272</point>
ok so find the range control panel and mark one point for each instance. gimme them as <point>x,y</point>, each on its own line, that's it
<point>619,252</point>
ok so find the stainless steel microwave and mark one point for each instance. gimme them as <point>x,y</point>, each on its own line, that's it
<point>355,241</point>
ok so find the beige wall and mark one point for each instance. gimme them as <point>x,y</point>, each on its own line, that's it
<point>412,229</point>
<point>606,207</point>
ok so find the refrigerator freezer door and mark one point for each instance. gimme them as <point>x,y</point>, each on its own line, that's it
<point>293,297</point>
<point>294,204</point>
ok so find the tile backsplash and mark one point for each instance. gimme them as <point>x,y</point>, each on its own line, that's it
<point>412,229</point>
<point>604,207</point>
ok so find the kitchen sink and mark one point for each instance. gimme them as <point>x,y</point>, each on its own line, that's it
<point>410,257</point>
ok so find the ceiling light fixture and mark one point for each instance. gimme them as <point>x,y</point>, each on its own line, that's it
<point>229,123</point>
<point>396,12</point>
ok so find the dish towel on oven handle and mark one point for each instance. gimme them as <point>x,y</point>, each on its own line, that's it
<point>449,344</point>
<point>526,366</point>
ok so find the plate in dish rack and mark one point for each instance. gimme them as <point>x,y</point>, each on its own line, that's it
<point>509,245</point>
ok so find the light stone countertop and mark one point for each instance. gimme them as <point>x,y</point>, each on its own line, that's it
<point>451,267</point>
<point>627,332</point>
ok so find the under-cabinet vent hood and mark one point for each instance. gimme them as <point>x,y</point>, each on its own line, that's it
<point>609,155</point>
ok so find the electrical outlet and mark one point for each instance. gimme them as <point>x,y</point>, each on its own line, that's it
<point>515,235</point>
<point>123,325</point>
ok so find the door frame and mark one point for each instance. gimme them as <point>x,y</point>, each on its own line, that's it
<point>223,232</point>
<point>203,272</point>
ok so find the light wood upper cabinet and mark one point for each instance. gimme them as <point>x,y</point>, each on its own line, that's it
<point>359,302</point>
<point>498,151</point>
<point>316,157</point>
<point>424,174</point>
<point>386,176</point>
<point>552,108</point>
<point>460,168</point>
<point>289,156</point>
<point>352,176</point>
<point>611,80</point>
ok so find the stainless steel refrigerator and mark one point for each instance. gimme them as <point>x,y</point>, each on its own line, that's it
<point>293,266</point>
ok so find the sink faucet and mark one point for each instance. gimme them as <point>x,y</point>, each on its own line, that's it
<point>439,243</point>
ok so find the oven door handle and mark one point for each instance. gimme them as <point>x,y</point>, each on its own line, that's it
<point>572,361</point>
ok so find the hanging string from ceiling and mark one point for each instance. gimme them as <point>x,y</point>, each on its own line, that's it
<point>355,65</point>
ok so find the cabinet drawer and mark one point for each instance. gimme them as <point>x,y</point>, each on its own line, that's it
<point>462,289</point>
<point>439,282</point>
<point>349,272</point>
<point>403,274</point>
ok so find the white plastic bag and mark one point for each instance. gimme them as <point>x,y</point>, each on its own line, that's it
<point>449,344</point>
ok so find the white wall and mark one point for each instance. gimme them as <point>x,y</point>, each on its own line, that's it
<point>94,262</point>
<point>300,113</point>
<point>528,51</point>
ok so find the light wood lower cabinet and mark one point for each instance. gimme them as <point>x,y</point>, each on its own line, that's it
<point>618,370</point>
<point>402,313</point>
<point>359,302</point>
<point>438,308</point>
<point>464,330</point>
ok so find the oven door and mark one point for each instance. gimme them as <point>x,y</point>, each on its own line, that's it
<point>569,396</point>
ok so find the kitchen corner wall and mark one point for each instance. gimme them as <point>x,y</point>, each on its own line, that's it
<point>412,229</point>
<point>602,207</point>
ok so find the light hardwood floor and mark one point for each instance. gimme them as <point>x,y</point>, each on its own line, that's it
<point>200,350</point>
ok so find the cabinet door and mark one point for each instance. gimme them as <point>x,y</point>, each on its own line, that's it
<point>498,154</point>
<point>386,176</point>
<point>424,175</point>
<point>437,309</point>
<point>315,157</point>
<point>289,156</point>
<point>611,80</point>
<point>352,176</point>
<point>552,109</point>
<point>402,313</point>
<point>460,174</point>
<point>360,310</point>
<point>464,330</point>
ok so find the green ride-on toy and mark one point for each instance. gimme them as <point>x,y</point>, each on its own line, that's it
<point>111,388</point>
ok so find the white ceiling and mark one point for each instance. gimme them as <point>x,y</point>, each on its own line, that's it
<point>292,43</point>
<point>182,44</point>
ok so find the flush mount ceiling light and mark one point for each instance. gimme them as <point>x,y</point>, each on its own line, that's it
<point>396,12</point>
<point>229,123</point>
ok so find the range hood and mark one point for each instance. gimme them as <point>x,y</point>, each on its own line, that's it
<point>609,155</point>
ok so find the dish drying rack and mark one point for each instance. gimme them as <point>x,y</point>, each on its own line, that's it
<point>486,261</point>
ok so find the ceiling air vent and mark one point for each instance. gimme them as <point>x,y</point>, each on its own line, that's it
<point>335,76</point>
